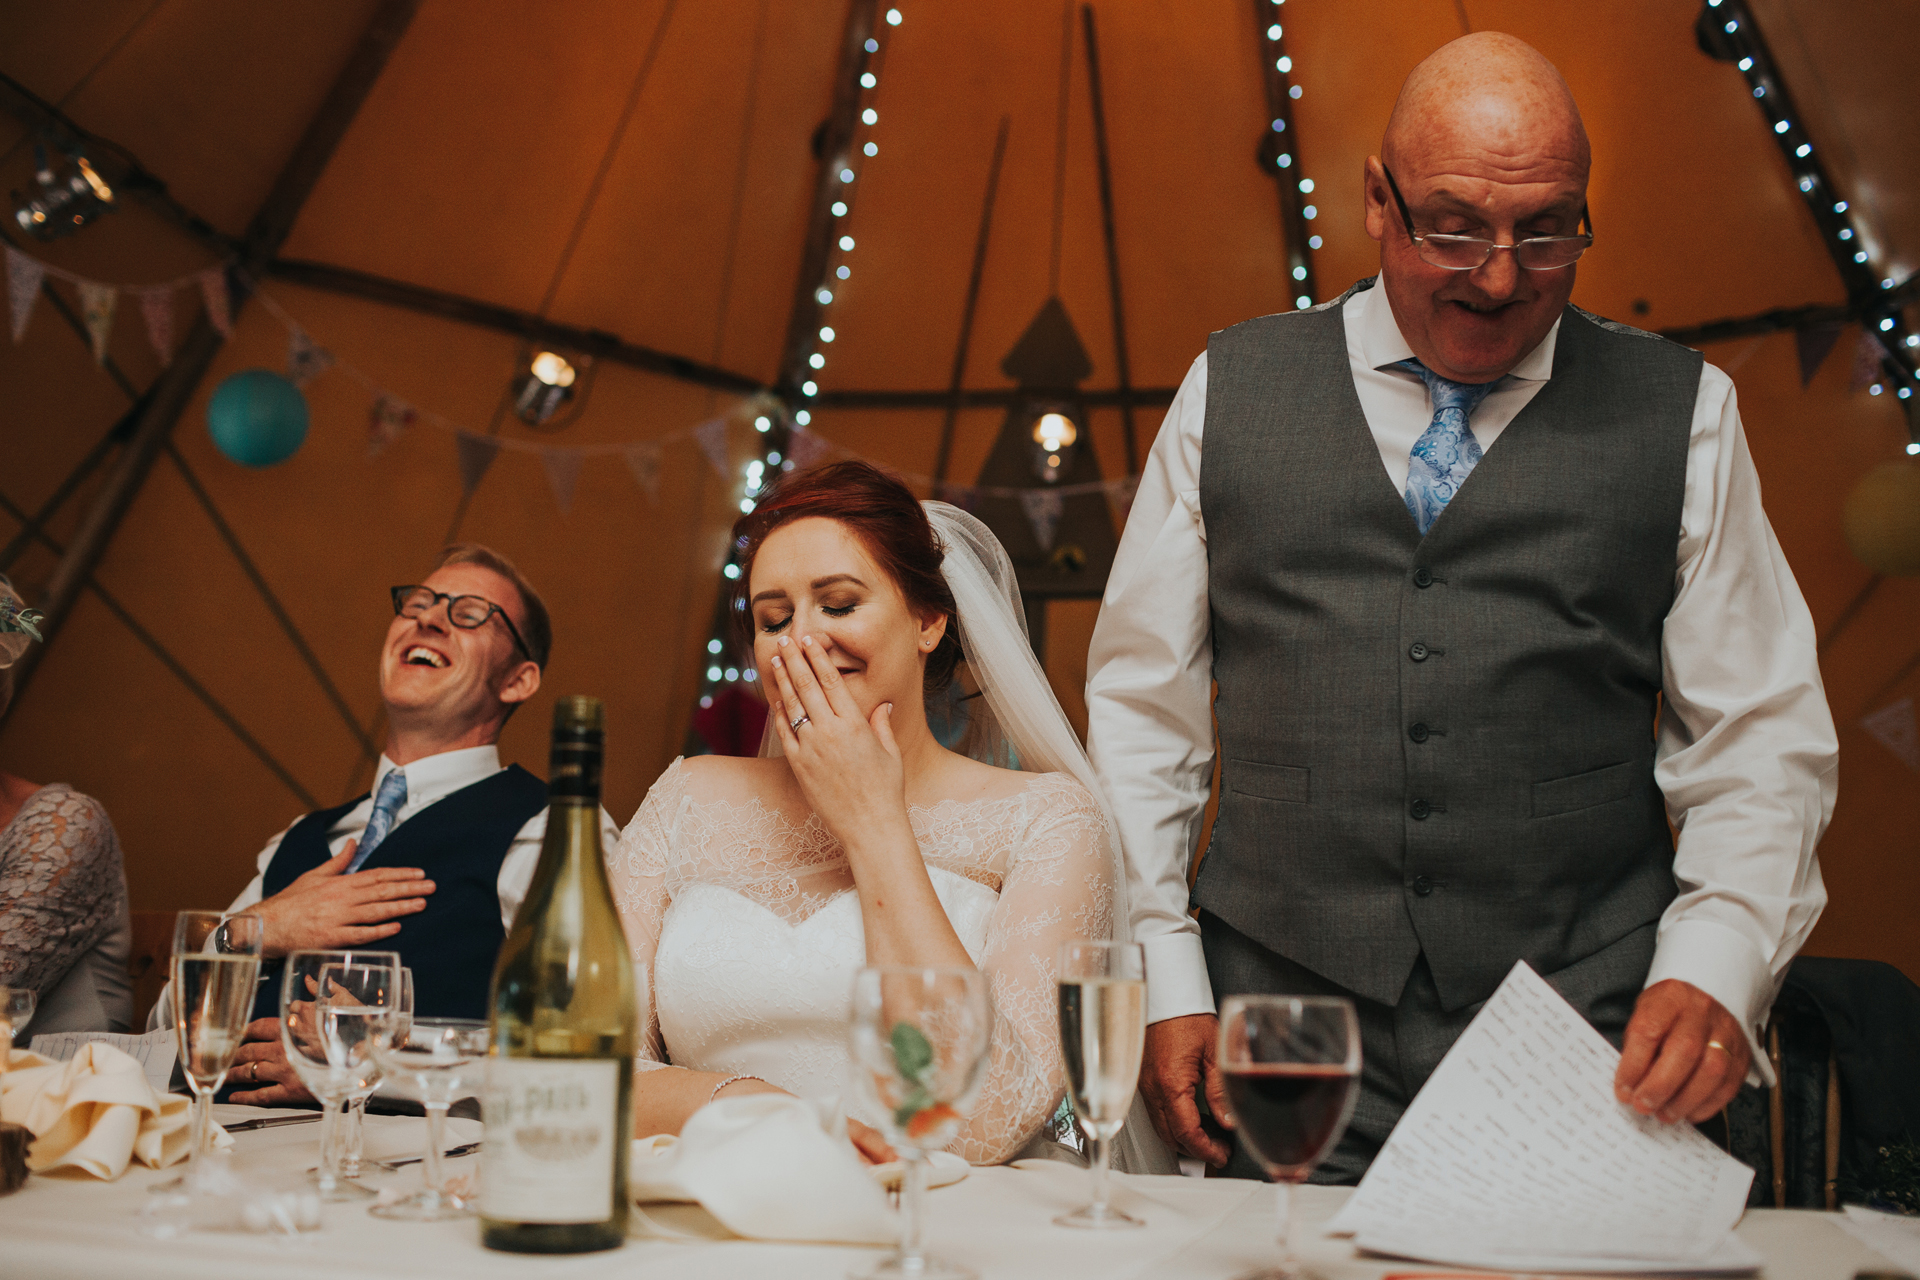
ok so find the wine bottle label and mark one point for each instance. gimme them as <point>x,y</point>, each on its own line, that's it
<point>551,1142</point>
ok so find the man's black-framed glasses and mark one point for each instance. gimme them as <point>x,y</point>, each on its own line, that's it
<point>465,612</point>
<point>1465,253</point>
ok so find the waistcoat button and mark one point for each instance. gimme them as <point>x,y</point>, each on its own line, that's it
<point>1418,733</point>
<point>1423,577</point>
<point>1422,886</point>
<point>1420,810</point>
<point>1418,652</point>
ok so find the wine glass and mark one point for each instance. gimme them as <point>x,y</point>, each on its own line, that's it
<point>920,1039</point>
<point>334,1005</point>
<point>353,1113</point>
<point>16,1010</point>
<point>1103,1032</point>
<point>436,1060</point>
<point>1292,1068</point>
<point>215,965</point>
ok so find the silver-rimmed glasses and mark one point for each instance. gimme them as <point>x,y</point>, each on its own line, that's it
<point>1466,253</point>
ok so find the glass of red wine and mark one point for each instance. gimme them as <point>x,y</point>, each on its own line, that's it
<point>1292,1067</point>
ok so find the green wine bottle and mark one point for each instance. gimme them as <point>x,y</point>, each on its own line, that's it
<point>559,1091</point>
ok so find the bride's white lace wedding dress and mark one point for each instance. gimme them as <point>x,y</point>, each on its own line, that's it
<point>746,932</point>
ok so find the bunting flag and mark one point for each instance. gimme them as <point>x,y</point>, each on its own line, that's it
<point>563,473</point>
<point>806,448</point>
<point>213,292</point>
<point>1895,728</point>
<point>1043,508</point>
<point>387,417</point>
<point>24,275</point>
<point>644,461</point>
<point>97,305</point>
<point>1813,346</point>
<point>1866,363</point>
<point>156,308</point>
<point>306,359</point>
<point>712,435</point>
<point>476,454</point>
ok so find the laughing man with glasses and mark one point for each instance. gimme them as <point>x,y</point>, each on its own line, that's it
<point>1486,592</point>
<point>434,859</point>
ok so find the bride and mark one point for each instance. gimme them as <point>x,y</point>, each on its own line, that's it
<point>752,889</point>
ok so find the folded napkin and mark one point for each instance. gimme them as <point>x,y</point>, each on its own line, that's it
<point>762,1166</point>
<point>95,1112</point>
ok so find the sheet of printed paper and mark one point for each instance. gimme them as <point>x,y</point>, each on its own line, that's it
<point>155,1051</point>
<point>1889,1234</point>
<point>1516,1149</point>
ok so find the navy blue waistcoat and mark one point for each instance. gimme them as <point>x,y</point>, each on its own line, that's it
<point>460,842</point>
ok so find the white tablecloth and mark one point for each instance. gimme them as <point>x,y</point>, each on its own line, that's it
<point>997,1221</point>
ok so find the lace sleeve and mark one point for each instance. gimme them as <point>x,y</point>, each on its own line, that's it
<point>638,871</point>
<point>1058,887</point>
<point>61,886</point>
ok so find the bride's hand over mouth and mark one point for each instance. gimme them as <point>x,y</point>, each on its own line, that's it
<point>847,764</point>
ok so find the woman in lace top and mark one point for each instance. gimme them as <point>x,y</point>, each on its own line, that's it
<point>64,926</point>
<point>752,889</point>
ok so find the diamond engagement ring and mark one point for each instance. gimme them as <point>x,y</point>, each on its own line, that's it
<point>795,724</point>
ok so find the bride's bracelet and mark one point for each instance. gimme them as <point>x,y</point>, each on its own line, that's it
<point>730,1080</point>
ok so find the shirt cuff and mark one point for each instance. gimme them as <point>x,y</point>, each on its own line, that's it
<point>1177,982</point>
<point>1724,964</point>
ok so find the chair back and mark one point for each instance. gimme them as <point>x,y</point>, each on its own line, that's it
<point>148,961</point>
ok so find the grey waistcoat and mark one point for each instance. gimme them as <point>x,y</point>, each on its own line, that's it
<point>1439,745</point>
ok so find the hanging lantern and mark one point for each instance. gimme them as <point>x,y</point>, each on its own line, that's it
<point>1881,519</point>
<point>65,202</point>
<point>257,418</point>
<point>1054,435</point>
<point>548,383</point>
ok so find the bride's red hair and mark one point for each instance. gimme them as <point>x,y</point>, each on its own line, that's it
<point>890,523</point>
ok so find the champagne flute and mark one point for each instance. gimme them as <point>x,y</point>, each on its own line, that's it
<point>16,1010</point>
<point>1103,1032</point>
<point>334,1005</point>
<point>353,1113</point>
<point>920,1038</point>
<point>215,964</point>
<point>1292,1068</point>
<point>436,1060</point>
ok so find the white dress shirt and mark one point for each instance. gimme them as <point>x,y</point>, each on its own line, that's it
<point>1747,754</point>
<point>429,780</point>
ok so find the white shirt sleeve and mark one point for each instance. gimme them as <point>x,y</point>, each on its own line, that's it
<point>161,1015</point>
<point>523,855</point>
<point>1747,755</point>
<point>1149,702</point>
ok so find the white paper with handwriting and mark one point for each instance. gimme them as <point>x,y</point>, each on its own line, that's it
<point>1517,1155</point>
<point>155,1051</point>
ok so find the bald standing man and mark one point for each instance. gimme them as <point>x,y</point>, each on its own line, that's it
<point>1486,590</point>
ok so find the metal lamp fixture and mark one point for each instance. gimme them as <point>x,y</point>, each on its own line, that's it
<point>64,203</point>
<point>547,384</point>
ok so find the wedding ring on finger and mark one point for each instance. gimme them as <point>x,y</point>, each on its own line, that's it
<point>1715,1044</point>
<point>795,724</point>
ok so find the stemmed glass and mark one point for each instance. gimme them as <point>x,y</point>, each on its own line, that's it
<point>1292,1068</point>
<point>334,1006</point>
<point>920,1038</point>
<point>215,964</point>
<point>436,1060</point>
<point>353,1113</point>
<point>16,1010</point>
<point>1103,1033</point>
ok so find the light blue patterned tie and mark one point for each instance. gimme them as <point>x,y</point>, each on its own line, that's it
<point>1446,452</point>
<point>386,807</point>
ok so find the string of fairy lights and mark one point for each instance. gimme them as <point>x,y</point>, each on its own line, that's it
<point>789,424</point>
<point>1853,252</point>
<point>1281,149</point>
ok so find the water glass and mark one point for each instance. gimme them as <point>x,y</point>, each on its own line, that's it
<point>353,1112</point>
<point>16,1010</point>
<point>1103,1034</point>
<point>214,967</point>
<point>435,1061</point>
<point>334,1007</point>
<point>1292,1068</point>
<point>920,1039</point>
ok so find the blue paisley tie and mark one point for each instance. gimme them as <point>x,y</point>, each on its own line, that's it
<point>386,807</point>
<point>1446,452</point>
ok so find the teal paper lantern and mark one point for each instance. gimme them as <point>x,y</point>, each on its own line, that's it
<point>257,418</point>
